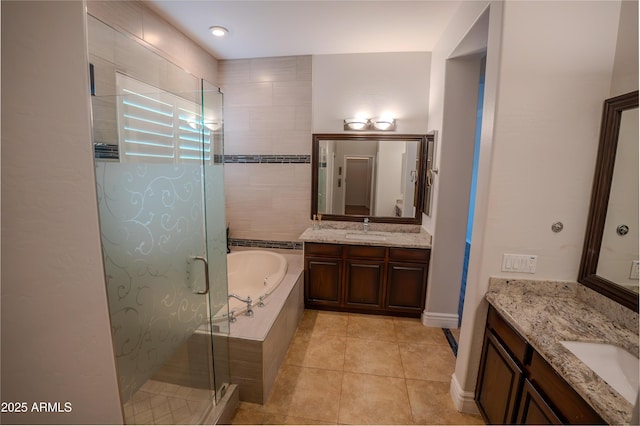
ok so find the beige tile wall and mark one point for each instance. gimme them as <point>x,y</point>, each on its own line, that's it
<point>267,103</point>
<point>136,19</point>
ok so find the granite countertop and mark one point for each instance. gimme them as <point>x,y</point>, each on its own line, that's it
<point>394,236</point>
<point>545,313</point>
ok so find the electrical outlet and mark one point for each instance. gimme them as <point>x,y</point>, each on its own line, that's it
<point>519,263</point>
<point>635,270</point>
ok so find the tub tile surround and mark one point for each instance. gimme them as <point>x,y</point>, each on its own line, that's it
<point>267,201</point>
<point>267,146</point>
<point>547,312</point>
<point>397,235</point>
<point>258,344</point>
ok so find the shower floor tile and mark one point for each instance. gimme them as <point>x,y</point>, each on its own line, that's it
<point>160,403</point>
<point>361,369</point>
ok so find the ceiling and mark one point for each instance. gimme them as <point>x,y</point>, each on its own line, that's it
<point>266,28</point>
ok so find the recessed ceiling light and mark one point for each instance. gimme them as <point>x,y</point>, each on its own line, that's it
<point>218,31</point>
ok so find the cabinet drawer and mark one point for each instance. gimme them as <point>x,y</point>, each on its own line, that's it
<point>409,254</point>
<point>365,252</point>
<point>517,345</point>
<point>318,249</point>
<point>570,406</point>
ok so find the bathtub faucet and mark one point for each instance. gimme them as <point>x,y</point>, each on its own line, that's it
<point>248,301</point>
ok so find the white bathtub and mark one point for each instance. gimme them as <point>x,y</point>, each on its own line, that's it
<point>253,273</point>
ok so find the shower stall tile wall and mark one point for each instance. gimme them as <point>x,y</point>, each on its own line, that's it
<point>136,19</point>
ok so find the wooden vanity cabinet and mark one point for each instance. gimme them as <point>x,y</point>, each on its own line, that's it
<point>367,279</point>
<point>323,275</point>
<point>517,386</point>
<point>534,409</point>
<point>501,373</point>
<point>567,404</point>
<point>364,276</point>
<point>407,277</point>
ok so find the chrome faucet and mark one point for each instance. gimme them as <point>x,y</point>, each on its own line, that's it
<point>365,225</point>
<point>248,301</point>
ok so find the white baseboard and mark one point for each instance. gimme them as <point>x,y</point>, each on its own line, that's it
<point>462,401</point>
<point>435,319</point>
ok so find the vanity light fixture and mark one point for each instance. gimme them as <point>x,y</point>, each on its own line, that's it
<point>356,124</point>
<point>218,31</point>
<point>384,123</point>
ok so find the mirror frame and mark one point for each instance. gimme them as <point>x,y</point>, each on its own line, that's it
<point>608,144</point>
<point>421,139</point>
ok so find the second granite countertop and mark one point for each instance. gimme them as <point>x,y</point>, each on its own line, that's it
<point>545,313</point>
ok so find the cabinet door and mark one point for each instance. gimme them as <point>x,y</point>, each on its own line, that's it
<point>534,410</point>
<point>406,286</point>
<point>364,283</point>
<point>566,402</point>
<point>499,382</point>
<point>322,281</point>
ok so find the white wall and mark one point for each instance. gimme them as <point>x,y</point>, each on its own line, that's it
<point>556,63</point>
<point>455,32</point>
<point>625,68</point>
<point>389,178</point>
<point>456,117</point>
<point>371,84</point>
<point>56,340</point>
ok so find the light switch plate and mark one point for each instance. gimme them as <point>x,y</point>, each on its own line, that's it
<point>519,263</point>
<point>635,270</point>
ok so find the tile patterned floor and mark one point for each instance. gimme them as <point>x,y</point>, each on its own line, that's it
<point>160,403</point>
<point>361,369</point>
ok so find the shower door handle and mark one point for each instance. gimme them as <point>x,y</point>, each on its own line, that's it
<point>206,274</point>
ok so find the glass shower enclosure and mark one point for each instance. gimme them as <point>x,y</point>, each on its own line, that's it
<point>159,176</point>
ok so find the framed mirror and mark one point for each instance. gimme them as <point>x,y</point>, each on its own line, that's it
<point>375,176</point>
<point>610,255</point>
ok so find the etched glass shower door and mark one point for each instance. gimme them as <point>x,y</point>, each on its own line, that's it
<point>165,275</point>
<point>216,236</point>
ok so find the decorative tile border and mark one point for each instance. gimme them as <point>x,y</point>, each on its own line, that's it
<point>273,159</point>
<point>287,245</point>
<point>105,151</point>
<point>109,151</point>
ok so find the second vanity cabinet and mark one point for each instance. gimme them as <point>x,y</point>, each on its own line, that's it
<point>517,386</point>
<point>367,279</point>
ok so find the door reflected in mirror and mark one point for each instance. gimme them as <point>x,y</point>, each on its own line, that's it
<point>374,176</point>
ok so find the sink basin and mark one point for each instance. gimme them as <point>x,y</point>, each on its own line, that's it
<point>613,364</point>
<point>366,237</point>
